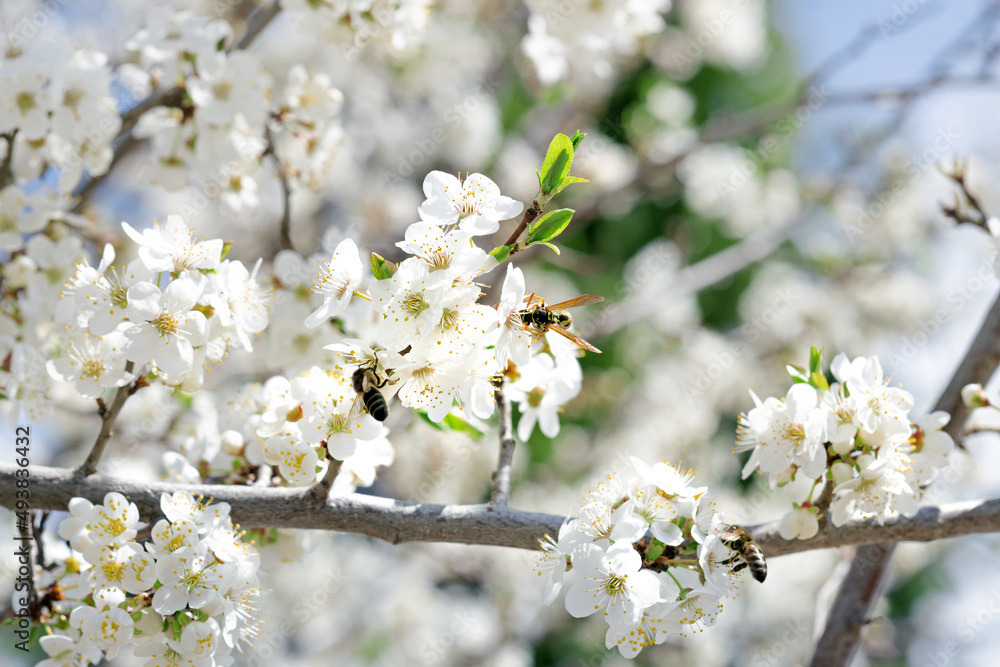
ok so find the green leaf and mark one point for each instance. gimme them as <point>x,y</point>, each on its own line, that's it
<point>798,373</point>
<point>501,252</point>
<point>818,380</point>
<point>452,422</point>
<point>426,418</point>
<point>815,360</point>
<point>381,267</point>
<point>226,247</point>
<point>655,550</point>
<point>456,423</point>
<point>554,249</point>
<point>550,225</point>
<point>577,138</point>
<point>558,160</point>
<point>569,180</point>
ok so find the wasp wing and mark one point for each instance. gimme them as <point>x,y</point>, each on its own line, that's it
<point>566,333</point>
<point>584,300</point>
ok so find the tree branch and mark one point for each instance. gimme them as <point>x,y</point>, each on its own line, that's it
<point>285,230</point>
<point>501,478</point>
<point>321,489</point>
<point>108,417</point>
<point>125,142</point>
<point>863,585</point>
<point>391,520</point>
<point>399,521</point>
<point>526,219</point>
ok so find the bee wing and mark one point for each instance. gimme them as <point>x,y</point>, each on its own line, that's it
<point>584,300</point>
<point>566,333</point>
<point>357,409</point>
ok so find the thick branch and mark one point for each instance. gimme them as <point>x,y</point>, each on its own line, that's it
<point>394,521</point>
<point>399,521</point>
<point>863,585</point>
<point>501,478</point>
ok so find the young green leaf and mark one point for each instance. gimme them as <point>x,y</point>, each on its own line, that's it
<point>558,160</point>
<point>818,380</point>
<point>815,360</point>
<point>577,138</point>
<point>456,423</point>
<point>381,267</point>
<point>501,252</point>
<point>569,180</point>
<point>798,373</point>
<point>550,225</point>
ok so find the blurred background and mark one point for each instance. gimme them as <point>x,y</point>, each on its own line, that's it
<point>763,177</point>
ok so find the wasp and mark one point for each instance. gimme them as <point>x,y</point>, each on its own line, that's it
<point>741,541</point>
<point>367,384</point>
<point>541,318</point>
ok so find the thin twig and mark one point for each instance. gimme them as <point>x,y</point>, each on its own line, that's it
<point>285,230</point>
<point>526,220</point>
<point>957,211</point>
<point>501,478</point>
<point>822,503</point>
<point>693,278</point>
<point>259,20</point>
<point>108,417</point>
<point>321,489</point>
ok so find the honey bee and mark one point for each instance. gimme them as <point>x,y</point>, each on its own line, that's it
<point>367,383</point>
<point>542,318</point>
<point>741,541</point>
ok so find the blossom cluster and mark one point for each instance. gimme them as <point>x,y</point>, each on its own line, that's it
<point>421,332</point>
<point>358,25</point>
<point>58,109</point>
<point>176,307</point>
<point>225,122</point>
<point>187,594</point>
<point>649,551</point>
<point>854,435</point>
<point>590,37</point>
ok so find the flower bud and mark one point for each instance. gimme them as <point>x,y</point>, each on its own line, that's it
<point>842,472</point>
<point>844,447</point>
<point>865,460</point>
<point>18,270</point>
<point>784,476</point>
<point>974,397</point>
<point>800,523</point>
<point>232,442</point>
